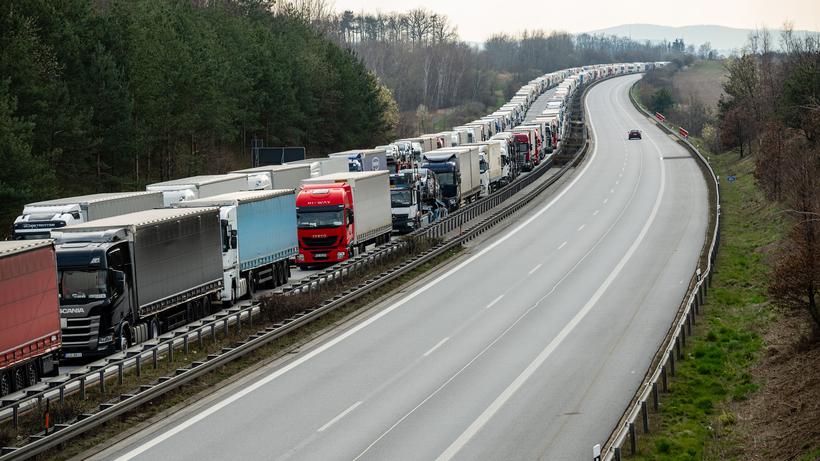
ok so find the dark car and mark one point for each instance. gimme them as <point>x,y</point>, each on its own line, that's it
<point>635,134</point>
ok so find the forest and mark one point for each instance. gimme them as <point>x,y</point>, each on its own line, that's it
<point>111,95</point>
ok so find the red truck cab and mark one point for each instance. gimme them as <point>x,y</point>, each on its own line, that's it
<point>525,154</point>
<point>324,228</point>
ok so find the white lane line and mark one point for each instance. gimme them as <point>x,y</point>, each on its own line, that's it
<point>339,416</point>
<point>439,344</point>
<point>562,245</point>
<point>519,381</point>
<point>149,444</point>
<point>581,228</point>
<point>606,200</point>
<point>611,191</point>
<point>535,269</point>
<point>617,182</point>
<point>596,213</point>
<point>494,301</point>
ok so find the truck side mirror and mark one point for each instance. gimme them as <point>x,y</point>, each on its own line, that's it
<point>119,281</point>
<point>233,240</point>
<point>350,216</point>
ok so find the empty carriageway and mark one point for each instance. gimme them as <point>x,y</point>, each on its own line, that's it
<point>528,347</point>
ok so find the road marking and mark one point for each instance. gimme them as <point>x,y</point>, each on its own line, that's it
<point>562,245</point>
<point>617,182</point>
<point>606,200</point>
<point>433,349</point>
<point>149,444</point>
<point>339,416</point>
<point>596,213</point>
<point>581,228</point>
<point>519,381</point>
<point>535,269</point>
<point>611,191</point>
<point>494,301</point>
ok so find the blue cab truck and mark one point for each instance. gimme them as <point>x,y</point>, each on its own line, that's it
<point>128,278</point>
<point>258,230</point>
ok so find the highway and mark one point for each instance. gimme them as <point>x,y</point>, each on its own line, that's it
<point>528,347</point>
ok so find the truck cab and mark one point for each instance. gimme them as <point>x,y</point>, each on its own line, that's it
<point>36,222</point>
<point>525,154</point>
<point>324,221</point>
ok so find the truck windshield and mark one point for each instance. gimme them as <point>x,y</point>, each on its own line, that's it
<point>400,198</point>
<point>306,219</point>
<point>446,178</point>
<point>83,284</point>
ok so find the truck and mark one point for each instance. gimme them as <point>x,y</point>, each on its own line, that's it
<point>339,214</point>
<point>194,187</point>
<point>364,159</point>
<point>39,218</point>
<point>525,152</point>
<point>411,206</point>
<point>29,314</point>
<point>495,164</point>
<point>129,278</point>
<point>258,231</point>
<point>323,166</point>
<point>458,172</point>
<point>267,177</point>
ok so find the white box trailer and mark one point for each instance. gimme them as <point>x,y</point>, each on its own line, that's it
<point>323,166</point>
<point>268,177</point>
<point>490,151</point>
<point>194,187</point>
<point>371,201</point>
<point>39,218</point>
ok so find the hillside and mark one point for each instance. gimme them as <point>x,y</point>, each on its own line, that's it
<point>724,39</point>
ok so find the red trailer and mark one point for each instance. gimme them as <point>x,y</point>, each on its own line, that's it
<point>29,313</point>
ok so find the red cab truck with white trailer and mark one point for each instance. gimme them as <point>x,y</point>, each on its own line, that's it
<point>340,213</point>
<point>29,313</point>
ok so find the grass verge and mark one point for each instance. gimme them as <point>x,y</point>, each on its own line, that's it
<point>728,338</point>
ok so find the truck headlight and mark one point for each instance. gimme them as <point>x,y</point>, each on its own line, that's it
<point>340,255</point>
<point>105,339</point>
<point>301,257</point>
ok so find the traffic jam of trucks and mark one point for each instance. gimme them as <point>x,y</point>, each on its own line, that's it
<point>90,275</point>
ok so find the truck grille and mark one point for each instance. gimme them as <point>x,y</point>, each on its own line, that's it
<point>80,333</point>
<point>319,242</point>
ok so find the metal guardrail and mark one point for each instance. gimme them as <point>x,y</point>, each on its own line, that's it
<point>671,348</point>
<point>60,434</point>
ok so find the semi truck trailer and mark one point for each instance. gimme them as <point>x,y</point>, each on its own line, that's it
<point>364,159</point>
<point>39,218</point>
<point>340,214</point>
<point>323,166</point>
<point>258,231</point>
<point>194,187</point>
<point>29,314</point>
<point>129,278</point>
<point>287,176</point>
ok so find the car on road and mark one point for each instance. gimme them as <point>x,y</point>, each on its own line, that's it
<point>634,134</point>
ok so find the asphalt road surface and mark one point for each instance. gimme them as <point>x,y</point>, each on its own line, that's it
<point>527,348</point>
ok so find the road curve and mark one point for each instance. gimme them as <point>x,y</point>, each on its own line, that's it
<point>528,348</point>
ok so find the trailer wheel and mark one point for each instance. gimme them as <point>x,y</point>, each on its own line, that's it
<point>31,374</point>
<point>206,306</point>
<point>251,284</point>
<point>153,329</point>
<point>19,379</point>
<point>5,384</point>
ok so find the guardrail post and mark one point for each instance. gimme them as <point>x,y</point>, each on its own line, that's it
<point>102,381</point>
<point>689,323</point>
<point>655,399</point>
<point>617,453</point>
<point>154,357</point>
<point>185,344</point>
<point>119,373</point>
<point>671,363</point>
<point>15,411</point>
<point>238,323</point>
<point>213,332</point>
<point>170,351</point>
<point>645,417</point>
<point>138,365</point>
<point>225,323</point>
<point>62,395</point>
<point>681,341</point>
<point>199,339</point>
<point>633,440</point>
<point>82,388</point>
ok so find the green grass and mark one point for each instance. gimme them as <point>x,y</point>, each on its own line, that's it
<point>727,340</point>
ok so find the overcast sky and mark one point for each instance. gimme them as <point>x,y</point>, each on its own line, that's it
<point>476,19</point>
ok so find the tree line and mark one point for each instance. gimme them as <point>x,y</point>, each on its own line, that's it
<point>419,55</point>
<point>106,96</point>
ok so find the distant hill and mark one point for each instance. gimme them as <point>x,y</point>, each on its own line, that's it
<point>724,39</point>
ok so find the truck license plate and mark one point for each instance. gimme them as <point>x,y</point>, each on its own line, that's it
<point>320,255</point>
<point>73,355</point>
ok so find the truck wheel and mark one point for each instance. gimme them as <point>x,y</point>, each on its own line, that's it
<point>31,374</point>
<point>124,340</point>
<point>5,384</point>
<point>19,379</point>
<point>251,285</point>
